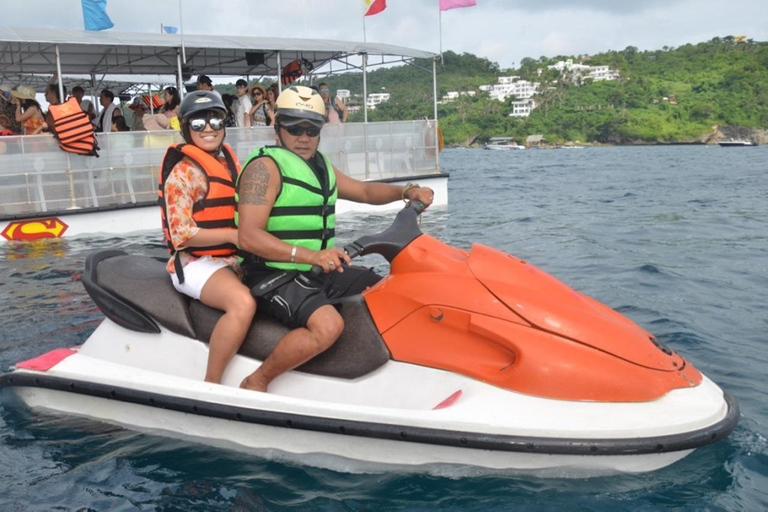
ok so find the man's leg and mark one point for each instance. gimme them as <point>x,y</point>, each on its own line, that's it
<point>297,347</point>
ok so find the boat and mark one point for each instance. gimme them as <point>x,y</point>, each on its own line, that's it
<point>473,359</point>
<point>736,143</point>
<point>502,144</point>
<point>48,193</point>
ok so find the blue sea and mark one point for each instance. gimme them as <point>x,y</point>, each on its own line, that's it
<point>674,237</point>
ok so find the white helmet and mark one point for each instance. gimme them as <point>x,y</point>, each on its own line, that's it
<point>298,103</point>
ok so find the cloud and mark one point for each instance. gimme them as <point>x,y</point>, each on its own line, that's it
<point>503,31</point>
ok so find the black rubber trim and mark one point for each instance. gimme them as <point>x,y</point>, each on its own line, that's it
<point>451,438</point>
<point>413,178</point>
<point>79,211</point>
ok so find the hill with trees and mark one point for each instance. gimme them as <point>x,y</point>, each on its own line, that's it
<point>669,95</point>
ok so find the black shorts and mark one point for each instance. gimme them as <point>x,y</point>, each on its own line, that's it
<point>291,296</point>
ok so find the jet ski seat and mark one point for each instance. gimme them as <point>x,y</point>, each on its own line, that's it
<point>136,292</point>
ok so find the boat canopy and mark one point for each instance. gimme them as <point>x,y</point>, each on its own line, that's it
<point>26,50</point>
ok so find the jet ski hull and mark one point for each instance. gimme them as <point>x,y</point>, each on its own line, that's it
<point>153,383</point>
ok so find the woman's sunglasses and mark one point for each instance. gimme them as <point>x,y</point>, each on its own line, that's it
<point>198,124</point>
<point>299,130</point>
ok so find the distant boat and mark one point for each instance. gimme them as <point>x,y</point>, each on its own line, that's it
<point>503,144</point>
<point>736,143</point>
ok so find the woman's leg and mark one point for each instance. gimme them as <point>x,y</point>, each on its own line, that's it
<point>224,291</point>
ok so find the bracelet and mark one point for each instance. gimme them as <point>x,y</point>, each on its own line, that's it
<point>293,253</point>
<point>408,186</point>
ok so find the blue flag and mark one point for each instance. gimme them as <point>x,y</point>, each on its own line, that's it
<point>170,30</point>
<point>95,15</point>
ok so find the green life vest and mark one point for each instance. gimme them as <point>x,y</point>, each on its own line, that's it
<point>304,213</point>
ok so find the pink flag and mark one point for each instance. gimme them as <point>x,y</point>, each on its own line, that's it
<point>455,4</point>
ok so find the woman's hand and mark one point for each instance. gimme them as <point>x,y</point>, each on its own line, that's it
<point>330,259</point>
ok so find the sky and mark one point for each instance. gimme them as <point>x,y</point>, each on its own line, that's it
<point>504,31</point>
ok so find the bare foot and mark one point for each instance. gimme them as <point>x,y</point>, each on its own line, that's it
<point>254,383</point>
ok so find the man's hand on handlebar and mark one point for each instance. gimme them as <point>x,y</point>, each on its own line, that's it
<point>424,194</point>
<point>330,260</point>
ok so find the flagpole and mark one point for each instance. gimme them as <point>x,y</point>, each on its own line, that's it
<point>440,32</point>
<point>365,39</point>
<point>181,29</point>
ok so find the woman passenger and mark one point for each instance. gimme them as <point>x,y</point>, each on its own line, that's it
<point>171,106</point>
<point>198,208</point>
<point>260,114</point>
<point>28,111</point>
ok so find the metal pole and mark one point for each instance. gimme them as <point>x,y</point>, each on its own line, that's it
<point>365,112</point>
<point>94,100</point>
<point>178,68</point>
<point>58,74</point>
<point>151,103</point>
<point>365,87</point>
<point>181,29</point>
<point>440,32</point>
<point>434,93</point>
<point>279,73</point>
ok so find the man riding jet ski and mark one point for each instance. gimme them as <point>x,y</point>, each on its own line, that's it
<point>286,200</point>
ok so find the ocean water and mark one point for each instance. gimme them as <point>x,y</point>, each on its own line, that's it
<point>676,238</point>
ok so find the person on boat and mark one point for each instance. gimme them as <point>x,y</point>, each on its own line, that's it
<point>85,104</point>
<point>28,112</point>
<point>53,98</point>
<point>335,108</point>
<point>197,202</point>
<point>171,107</point>
<point>273,91</point>
<point>286,202</point>
<point>109,111</point>
<point>243,105</point>
<point>139,109</point>
<point>8,109</point>
<point>204,83</point>
<point>260,114</point>
<point>229,102</point>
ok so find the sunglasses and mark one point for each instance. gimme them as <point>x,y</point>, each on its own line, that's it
<point>198,124</point>
<point>257,93</point>
<point>299,130</point>
<point>323,90</point>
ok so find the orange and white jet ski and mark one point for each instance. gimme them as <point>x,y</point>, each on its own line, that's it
<point>471,358</point>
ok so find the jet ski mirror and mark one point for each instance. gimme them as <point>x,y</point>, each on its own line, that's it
<point>404,230</point>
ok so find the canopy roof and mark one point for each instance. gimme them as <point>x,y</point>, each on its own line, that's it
<point>26,50</point>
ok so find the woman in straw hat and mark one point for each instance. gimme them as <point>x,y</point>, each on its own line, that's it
<point>28,111</point>
<point>260,114</point>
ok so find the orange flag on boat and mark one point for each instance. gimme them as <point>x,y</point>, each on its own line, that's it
<point>371,7</point>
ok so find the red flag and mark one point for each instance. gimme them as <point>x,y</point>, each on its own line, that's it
<point>371,7</point>
<point>455,4</point>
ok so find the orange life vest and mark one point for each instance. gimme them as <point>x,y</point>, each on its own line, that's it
<point>216,210</point>
<point>294,70</point>
<point>73,129</point>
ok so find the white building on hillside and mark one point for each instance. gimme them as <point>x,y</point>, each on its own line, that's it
<point>511,86</point>
<point>343,94</point>
<point>454,95</point>
<point>376,98</point>
<point>580,71</point>
<point>522,108</point>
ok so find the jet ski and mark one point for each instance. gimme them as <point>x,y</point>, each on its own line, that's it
<point>471,358</point>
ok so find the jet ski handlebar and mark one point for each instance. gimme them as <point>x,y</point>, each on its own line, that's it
<point>403,230</point>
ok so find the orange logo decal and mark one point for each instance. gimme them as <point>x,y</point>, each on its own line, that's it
<point>34,229</point>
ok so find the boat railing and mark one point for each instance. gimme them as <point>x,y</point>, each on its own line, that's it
<point>37,177</point>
